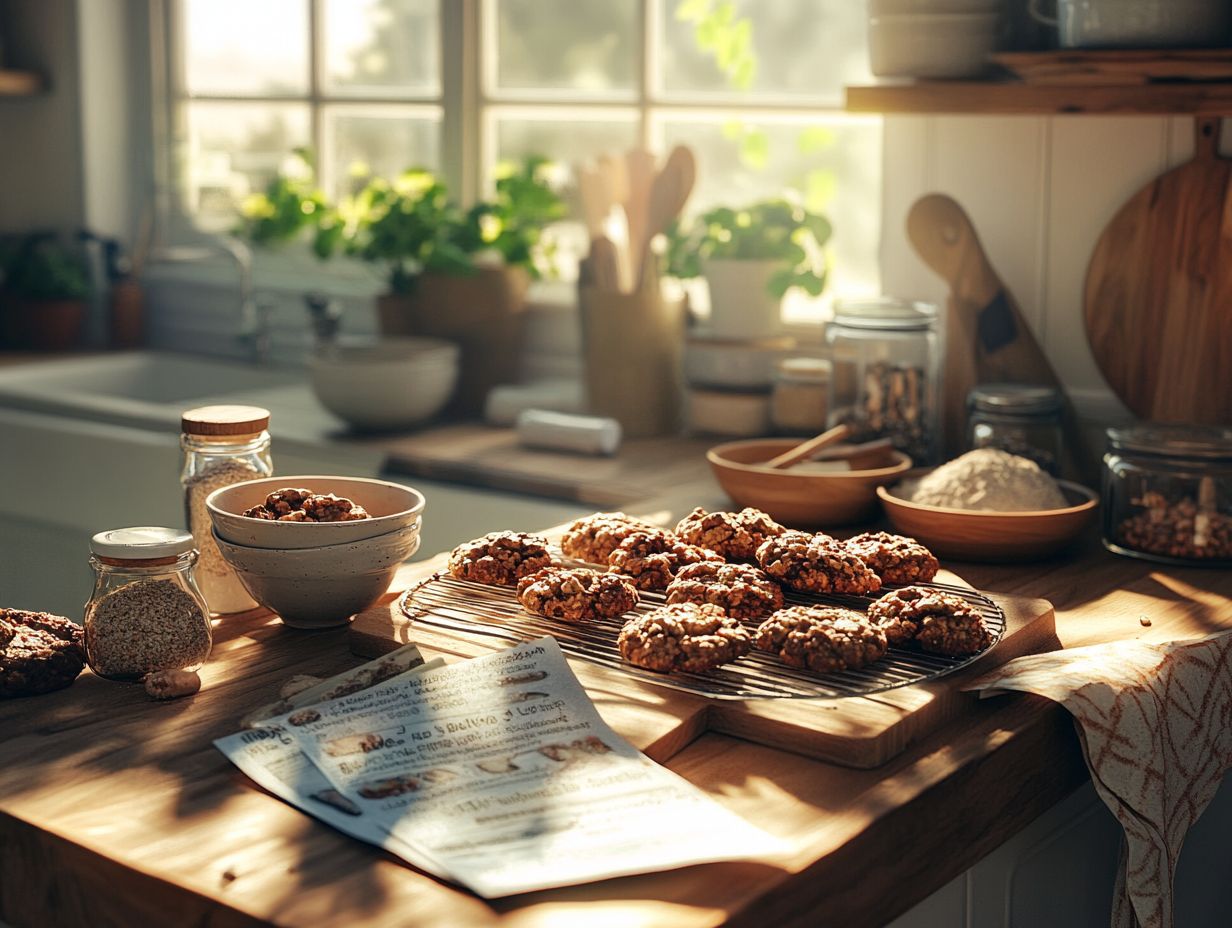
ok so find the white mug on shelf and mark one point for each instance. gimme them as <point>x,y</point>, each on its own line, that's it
<point>1138,23</point>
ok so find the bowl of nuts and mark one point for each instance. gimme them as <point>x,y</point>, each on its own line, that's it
<point>285,513</point>
<point>324,586</point>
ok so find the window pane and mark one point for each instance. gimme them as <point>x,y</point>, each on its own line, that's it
<point>383,142</point>
<point>808,48</point>
<point>833,164</point>
<point>582,46</point>
<point>565,137</point>
<point>234,149</point>
<point>382,47</point>
<point>242,48</point>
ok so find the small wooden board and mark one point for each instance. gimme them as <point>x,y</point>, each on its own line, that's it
<point>855,732</point>
<point>1119,67</point>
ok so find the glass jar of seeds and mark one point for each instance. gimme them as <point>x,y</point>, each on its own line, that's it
<point>146,612</point>
<point>885,371</point>
<point>222,445</point>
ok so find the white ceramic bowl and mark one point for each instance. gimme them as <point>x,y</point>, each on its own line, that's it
<point>391,505</point>
<point>394,383</point>
<point>940,45</point>
<point>321,587</point>
<point>735,363</point>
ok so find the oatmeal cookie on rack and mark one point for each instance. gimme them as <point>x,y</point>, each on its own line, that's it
<point>651,558</point>
<point>894,558</point>
<point>743,592</point>
<point>576,594</point>
<point>821,638</point>
<point>815,564</point>
<point>938,622</point>
<point>593,538</point>
<point>733,535</point>
<point>683,637</point>
<point>499,558</point>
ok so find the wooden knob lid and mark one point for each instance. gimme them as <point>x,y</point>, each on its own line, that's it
<point>225,420</point>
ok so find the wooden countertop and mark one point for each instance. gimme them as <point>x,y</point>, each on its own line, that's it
<point>120,810</point>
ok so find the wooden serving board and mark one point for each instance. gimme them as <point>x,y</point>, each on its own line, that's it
<point>855,732</point>
<point>1119,67</point>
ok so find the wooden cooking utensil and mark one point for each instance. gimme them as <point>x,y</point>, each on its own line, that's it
<point>604,263</point>
<point>867,455</point>
<point>806,449</point>
<point>668,194</point>
<point>640,169</point>
<point>1158,290</point>
<point>987,338</point>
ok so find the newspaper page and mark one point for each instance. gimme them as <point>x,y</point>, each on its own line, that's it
<point>269,756</point>
<point>500,771</point>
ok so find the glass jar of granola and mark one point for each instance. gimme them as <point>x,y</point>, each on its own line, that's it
<point>146,613</point>
<point>1168,494</point>
<point>222,445</point>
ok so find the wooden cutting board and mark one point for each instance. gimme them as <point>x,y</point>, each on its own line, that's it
<point>855,732</point>
<point>1158,300</point>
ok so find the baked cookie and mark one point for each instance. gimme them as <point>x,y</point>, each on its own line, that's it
<point>894,558</point>
<point>651,558</point>
<point>576,594</point>
<point>743,592</point>
<point>39,652</point>
<point>500,558</point>
<point>683,637</point>
<point>734,535</point>
<point>821,638</point>
<point>594,537</point>
<point>938,622</point>
<point>815,564</point>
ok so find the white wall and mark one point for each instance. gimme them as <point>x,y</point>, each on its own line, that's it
<point>1040,191</point>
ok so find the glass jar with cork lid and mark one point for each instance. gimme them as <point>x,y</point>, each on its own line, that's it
<point>146,613</point>
<point>223,445</point>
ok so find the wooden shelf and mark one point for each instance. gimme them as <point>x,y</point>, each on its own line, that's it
<point>1016,97</point>
<point>19,83</point>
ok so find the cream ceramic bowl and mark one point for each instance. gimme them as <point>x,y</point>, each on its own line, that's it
<point>321,587</point>
<point>799,499</point>
<point>391,384</point>
<point>938,45</point>
<point>992,536</point>
<point>391,505</point>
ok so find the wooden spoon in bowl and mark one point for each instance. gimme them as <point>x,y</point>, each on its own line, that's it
<point>806,449</point>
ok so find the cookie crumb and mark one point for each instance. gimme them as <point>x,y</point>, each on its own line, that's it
<point>1144,621</point>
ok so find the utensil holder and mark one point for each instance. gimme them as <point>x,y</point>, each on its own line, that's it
<point>632,345</point>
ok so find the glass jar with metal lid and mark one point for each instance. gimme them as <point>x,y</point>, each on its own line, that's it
<point>1167,494</point>
<point>223,445</point>
<point>885,370</point>
<point>801,391</point>
<point>1023,419</point>
<point>146,612</point>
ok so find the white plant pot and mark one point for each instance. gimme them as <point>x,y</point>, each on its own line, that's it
<point>741,305</point>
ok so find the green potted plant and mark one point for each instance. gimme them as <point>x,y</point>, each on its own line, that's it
<point>750,258</point>
<point>44,289</point>
<point>454,273</point>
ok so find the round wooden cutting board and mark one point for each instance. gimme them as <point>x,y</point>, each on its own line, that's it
<point>1158,300</point>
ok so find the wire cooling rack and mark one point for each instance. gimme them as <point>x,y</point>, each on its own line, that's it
<point>441,601</point>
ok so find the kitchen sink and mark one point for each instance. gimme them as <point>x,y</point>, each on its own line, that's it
<point>140,388</point>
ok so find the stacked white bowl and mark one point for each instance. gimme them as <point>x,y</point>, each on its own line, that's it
<point>314,575</point>
<point>932,38</point>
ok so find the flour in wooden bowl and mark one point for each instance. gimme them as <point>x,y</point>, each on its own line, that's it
<point>988,480</point>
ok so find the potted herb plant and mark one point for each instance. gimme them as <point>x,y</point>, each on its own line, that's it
<point>454,273</point>
<point>44,289</point>
<point>750,258</point>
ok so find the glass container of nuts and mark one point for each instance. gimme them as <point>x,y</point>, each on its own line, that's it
<point>1168,494</point>
<point>885,370</point>
<point>222,445</point>
<point>146,613</point>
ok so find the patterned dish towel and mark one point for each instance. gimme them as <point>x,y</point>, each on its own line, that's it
<point>1155,722</point>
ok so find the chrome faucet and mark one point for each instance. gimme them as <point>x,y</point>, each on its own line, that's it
<point>255,330</point>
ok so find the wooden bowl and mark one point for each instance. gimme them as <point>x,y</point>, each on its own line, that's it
<point>797,499</point>
<point>993,536</point>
